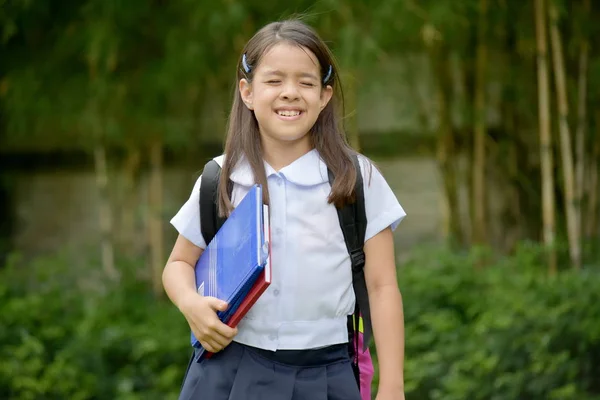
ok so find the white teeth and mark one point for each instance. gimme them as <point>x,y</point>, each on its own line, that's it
<point>288,113</point>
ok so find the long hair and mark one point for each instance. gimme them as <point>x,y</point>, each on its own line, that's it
<point>327,135</point>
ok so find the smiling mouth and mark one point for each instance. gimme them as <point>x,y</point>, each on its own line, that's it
<point>286,113</point>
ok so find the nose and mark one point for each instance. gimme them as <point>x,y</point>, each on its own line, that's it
<point>289,91</point>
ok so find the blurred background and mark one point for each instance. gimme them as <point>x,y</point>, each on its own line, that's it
<point>482,114</point>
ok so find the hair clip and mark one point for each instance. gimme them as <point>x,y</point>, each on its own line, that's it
<point>247,68</point>
<point>328,74</point>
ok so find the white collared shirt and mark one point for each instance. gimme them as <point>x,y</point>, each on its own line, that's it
<point>311,295</point>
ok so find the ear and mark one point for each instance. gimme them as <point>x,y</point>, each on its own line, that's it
<point>326,94</point>
<point>245,88</point>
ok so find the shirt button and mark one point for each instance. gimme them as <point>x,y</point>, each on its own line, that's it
<point>276,292</point>
<point>279,231</point>
<point>272,336</point>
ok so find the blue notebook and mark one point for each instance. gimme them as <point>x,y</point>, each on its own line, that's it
<point>232,262</point>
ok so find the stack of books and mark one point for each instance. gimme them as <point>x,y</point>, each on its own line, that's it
<point>236,265</point>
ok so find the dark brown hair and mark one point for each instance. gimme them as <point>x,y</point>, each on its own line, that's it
<point>327,135</point>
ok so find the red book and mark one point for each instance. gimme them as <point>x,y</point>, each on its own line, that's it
<point>259,287</point>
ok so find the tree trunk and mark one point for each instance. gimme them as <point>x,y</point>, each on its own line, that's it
<point>547,159</point>
<point>130,202</point>
<point>565,140</point>
<point>104,214</point>
<point>413,79</point>
<point>592,214</point>
<point>513,222</point>
<point>580,134</point>
<point>479,227</point>
<point>446,156</point>
<point>155,207</point>
<point>593,206</point>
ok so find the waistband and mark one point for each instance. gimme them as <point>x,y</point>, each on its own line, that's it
<point>304,358</point>
<point>271,335</point>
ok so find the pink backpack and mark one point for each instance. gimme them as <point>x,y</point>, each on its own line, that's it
<point>366,369</point>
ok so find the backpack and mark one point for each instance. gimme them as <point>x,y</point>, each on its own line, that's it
<point>353,222</point>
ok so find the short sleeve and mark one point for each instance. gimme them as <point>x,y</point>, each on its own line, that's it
<point>187,219</point>
<point>381,205</point>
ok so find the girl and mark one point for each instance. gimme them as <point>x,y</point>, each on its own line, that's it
<point>284,132</point>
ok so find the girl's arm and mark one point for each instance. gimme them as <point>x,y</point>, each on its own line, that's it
<point>387,316</point>
<point>178,275</point>
<point>200,312</point>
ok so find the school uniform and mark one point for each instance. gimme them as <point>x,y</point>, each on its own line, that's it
<point>291,344</point>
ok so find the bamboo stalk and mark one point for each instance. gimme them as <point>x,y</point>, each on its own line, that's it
<point>565,139</point>
<point>547,159</point>
<point>155,220</point>
<point>446,157</point>
<point>130,201</point>
<point>479,222</point>
<point>593,204</point>
<point>412,82</point>
<point>514,209</point>
<point>592,228</point>
<point>104,213</point>
<point>581,127</point>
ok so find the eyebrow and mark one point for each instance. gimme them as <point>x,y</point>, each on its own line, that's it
<point>301,74</point>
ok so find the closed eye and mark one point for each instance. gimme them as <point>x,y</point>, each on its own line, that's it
<point>308,84</point>
<point>273,82</point>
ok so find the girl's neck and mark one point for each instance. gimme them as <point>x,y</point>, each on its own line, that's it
<point>279,154</point>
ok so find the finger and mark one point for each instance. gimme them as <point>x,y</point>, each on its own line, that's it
<point>211,346</point>
<point>211,332</point>
<point>217,327</point>
<point>225,330</point>
<point>220,340</point>
<point>216,304</point>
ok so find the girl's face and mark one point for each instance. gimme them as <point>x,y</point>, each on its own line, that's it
<point>286,93</point>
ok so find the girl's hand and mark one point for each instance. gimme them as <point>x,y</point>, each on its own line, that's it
<point>201,315</point>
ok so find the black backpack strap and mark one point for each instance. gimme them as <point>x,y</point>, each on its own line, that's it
<point>210,222</point>
<point>353,222</point>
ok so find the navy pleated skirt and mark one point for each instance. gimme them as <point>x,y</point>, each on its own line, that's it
<point>240,372</point>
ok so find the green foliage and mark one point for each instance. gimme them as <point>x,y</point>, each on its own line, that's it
<point>74,336</point>
<point>505,331</point>
<point>75,73</point>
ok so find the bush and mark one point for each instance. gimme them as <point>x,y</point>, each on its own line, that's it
<point>504,331</point>
<point>65,335</point>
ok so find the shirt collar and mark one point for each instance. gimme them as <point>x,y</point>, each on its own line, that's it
<point>308,170</point>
